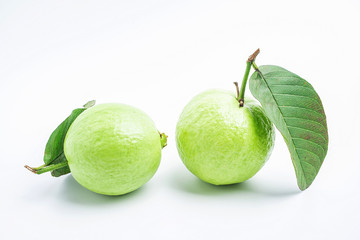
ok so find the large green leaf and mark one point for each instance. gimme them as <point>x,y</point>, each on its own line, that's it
<point>292,104</point>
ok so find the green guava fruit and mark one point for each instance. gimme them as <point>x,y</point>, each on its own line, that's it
<point>220,142</point>
<point>113,149</point>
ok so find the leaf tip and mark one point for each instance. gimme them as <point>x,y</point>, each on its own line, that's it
<point>303,188</point>
<point>89,104</point>
<point>303,181</point>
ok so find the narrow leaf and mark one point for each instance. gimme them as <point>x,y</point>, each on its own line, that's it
<point>54,150</point>
<point>294,107</point>
<point>54,146</point>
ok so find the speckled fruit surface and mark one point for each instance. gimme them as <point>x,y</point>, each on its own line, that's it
<point>113,149</point>
<point>220,142</point>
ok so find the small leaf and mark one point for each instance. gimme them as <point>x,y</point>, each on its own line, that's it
<point>294,107</point>
<point>54,150</point>
<point>60,171</point>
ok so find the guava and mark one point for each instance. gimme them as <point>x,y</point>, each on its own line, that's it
<point>220,142</point>
<point>113,149</point>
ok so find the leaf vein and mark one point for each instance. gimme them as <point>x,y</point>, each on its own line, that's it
<point>286,94</point>
<point>323,149</point>
<point>310,88</point>
<point>306,119</point>
<point>309,164</point>
<point>305,129</point>
<point>302,108</point>
<point>303,149</point>
<point>276,77</point>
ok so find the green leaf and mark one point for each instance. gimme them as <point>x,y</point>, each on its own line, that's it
<point>294,107</point>
<point>60,171</point>
<point>54,146</point>
<point>54,150</point>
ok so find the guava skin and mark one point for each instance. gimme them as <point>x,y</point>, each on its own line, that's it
<point>220,142</point>
<point>113,149</point>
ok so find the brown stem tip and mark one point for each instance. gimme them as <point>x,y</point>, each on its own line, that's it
<point>30,169</point>
<point>237,90</point>
<point>254,55</point>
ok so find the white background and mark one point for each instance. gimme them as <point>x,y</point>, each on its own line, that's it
<point>157,55</point>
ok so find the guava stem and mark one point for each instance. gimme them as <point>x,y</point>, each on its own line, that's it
<point>243,84</point>
<point>39,170</point>
<point>249,63</point>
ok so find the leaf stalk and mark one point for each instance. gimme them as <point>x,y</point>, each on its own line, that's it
<point>40,170</point>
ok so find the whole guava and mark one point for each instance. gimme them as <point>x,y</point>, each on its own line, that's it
<point>220,142</point>
<point>113,149</point>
